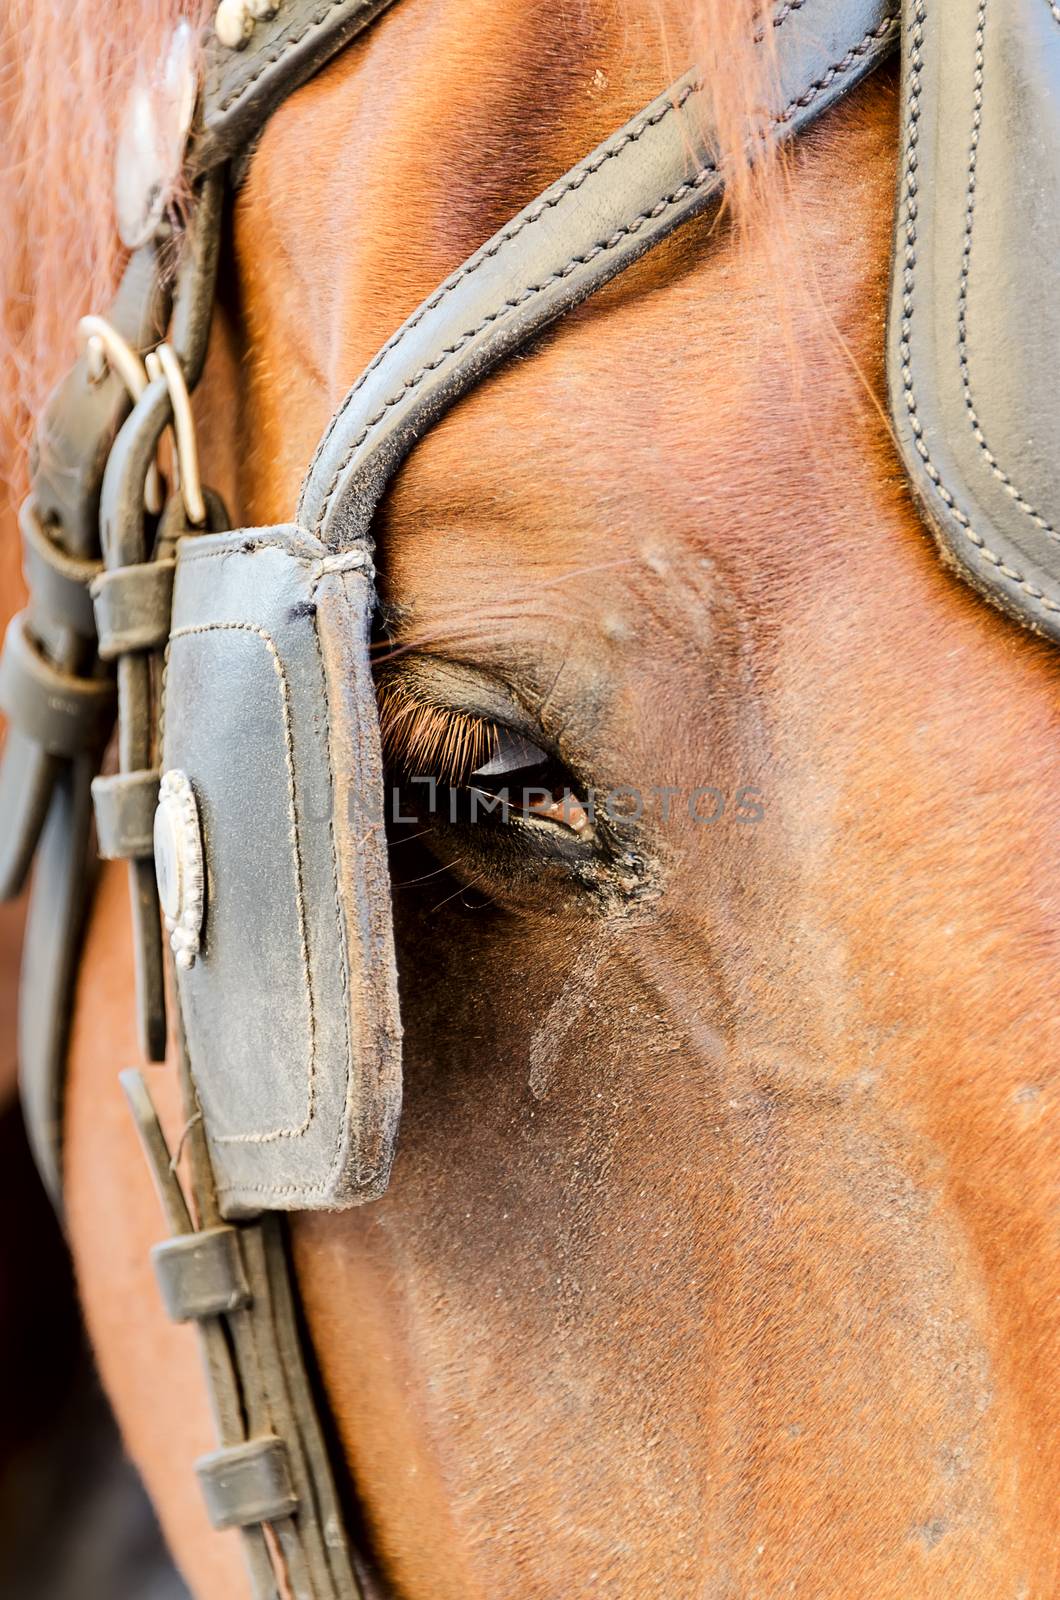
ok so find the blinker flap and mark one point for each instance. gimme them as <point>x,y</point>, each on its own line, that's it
<point>282,927</point>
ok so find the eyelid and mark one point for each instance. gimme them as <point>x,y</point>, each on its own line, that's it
<point>463,690</point>
<point>464,747</point>
<point>441,718</point>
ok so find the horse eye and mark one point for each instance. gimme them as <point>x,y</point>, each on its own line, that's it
<point>544,790</point>
<point>511,753</point>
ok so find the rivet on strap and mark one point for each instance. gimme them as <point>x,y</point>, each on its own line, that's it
<point>132,606</point>
<point>201,1274</point>
<point>125,814</point>
<point>235,19</point>
<point>247,1483</point>
<point>64,714</point>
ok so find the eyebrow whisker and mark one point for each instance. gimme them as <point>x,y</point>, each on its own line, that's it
<point>427,876</point>
<point>462,889</point>
<point>392,844</point>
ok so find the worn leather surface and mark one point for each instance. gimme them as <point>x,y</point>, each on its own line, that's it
<point>633,191</point>
<point>81,417</point>
<point>57,581</point>
<point>290,1011</point>
<point>975,308</point>
<point>132,607</point>
<point>242,88</point>
<point>74,438</point>
<point>44,802</point>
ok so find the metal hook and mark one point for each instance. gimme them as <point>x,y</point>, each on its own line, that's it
<point>105,347</point>
<point>163,362</point>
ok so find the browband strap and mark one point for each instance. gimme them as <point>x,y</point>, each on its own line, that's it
<point>630,193</point>
<point>242,87</point>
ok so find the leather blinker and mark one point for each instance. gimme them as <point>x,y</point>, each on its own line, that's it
<point>290,1003</point>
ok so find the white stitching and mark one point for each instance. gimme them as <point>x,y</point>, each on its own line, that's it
<point>575,178</point>
<point>910,189</point>
<point>962,297</point>
<point>307,1191</point>
<point>271,59</point>
<point>339,918</point>
<point>304,1190</point>
<point>806,98</point>
<point>245,545</point>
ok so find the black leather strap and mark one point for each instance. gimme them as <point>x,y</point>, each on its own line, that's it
<point>83,414</point>
<point>63,713</point>
<point>57,581</point>
<point>245,1485</point>
<point>77,429</point>
<point>201,1274</point>
<point>271,1464</point>
<point>634,190</point>
<point>132,606</point>
<point>62,880</point>
<point>975,306</point>
<point>125,805</point>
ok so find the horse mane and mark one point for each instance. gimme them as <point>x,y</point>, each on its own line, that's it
<point>64,78</point>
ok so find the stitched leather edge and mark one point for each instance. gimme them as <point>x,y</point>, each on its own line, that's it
<point>552,198</point>
<point>186,632</point>
<point>962,295</point>
<point>680,95</point>
<point>1037,597</point>
<point>241,542</point>
<point>231,119</point>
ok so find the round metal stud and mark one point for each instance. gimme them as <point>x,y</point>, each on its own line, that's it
<point>151,140</point>
<point>179,865</point>
<point>233,24</point>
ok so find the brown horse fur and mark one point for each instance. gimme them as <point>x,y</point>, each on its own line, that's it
<point>716,1259</point>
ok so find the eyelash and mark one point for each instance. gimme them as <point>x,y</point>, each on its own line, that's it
<point>422,739</point>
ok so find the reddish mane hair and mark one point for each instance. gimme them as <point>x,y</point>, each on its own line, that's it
<point>63,78</point>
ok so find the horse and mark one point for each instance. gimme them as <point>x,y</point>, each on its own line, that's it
<point>716,1259</point>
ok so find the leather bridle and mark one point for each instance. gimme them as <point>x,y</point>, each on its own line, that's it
<point>172,626</point>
